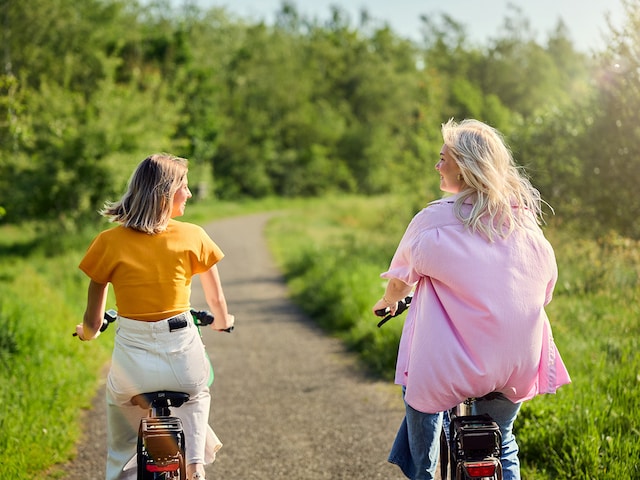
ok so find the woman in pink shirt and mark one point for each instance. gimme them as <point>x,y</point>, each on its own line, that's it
<point>483,272</point>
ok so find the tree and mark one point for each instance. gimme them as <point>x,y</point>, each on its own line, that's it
<point>610,147</point>
<point>461,69</point>
<point>69,121</point>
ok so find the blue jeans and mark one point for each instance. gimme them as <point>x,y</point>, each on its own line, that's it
<point>504,413</point>
<point>417,445</point>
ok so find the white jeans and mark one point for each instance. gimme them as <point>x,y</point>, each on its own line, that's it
<point>147,357</point>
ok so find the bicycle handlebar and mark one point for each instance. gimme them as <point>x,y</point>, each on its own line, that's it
<point>200,318</point>
<point>203,317</point>
<point>110,316</point>
<point>402,306</point>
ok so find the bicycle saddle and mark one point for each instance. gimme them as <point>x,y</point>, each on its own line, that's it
<point>160,398</point>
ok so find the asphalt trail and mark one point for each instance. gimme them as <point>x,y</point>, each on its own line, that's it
<point>288,401</point>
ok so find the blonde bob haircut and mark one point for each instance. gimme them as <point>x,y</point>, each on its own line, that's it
<point>501,194</point>
<point>147,204</point>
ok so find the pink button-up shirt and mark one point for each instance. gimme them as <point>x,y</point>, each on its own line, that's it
<point>477,322</point>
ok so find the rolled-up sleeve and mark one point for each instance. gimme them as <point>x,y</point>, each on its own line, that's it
<point>402,264</point>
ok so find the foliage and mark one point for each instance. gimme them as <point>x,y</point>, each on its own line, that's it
<point>325,110</point>
<point>70,122</point>
<point>611,169</point>
<point>585,154</point>
<point>301,107</point>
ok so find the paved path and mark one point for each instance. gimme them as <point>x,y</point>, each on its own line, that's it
<point>288,401</point>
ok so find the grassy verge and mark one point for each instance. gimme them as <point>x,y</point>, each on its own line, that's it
<point>47,376</point>
<point>591,429</point>
<point>332,252</point>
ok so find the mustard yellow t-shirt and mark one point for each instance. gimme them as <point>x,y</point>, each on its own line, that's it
<point>151,274</point>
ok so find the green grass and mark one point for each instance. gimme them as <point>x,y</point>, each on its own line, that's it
<point>589,429</point>
<point>332,251</point>
<point>47,376</point>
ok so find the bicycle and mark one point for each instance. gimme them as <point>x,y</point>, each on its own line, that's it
<point>160,451</point>
<point>471,448</point>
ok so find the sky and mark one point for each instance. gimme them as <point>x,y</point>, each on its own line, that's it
<point>482,19</point>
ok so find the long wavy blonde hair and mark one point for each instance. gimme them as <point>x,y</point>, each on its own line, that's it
<point>499,190</point>
<point>148,202</point>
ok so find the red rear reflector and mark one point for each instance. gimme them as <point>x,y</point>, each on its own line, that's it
<point>480,469</point>
<point>172,467</point>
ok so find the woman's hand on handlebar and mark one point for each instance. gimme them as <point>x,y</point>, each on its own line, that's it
<point>383,307</point>
<point>227,324</point>
<point>80,333</point>
<point>395,291</point>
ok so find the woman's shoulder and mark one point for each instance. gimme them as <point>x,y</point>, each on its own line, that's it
<point>113,232</point>
<point>437,213</point>
<point>186,229</point>
<point>178,224</point>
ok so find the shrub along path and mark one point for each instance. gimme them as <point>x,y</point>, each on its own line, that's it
<point>288,401</point>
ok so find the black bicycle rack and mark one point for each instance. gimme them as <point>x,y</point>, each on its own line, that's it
<point>475,447</point>
<point>161,440</point>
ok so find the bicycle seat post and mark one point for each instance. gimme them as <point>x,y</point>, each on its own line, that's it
<point>159,403</point>
<point>160,408</point>
<point>465,407</point>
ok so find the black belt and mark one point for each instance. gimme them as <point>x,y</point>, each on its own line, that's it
<point>178,322</point>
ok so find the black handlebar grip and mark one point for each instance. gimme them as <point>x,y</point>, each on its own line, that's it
<point>110,316</point>
<point>402,306</point>
<point>205,318</point>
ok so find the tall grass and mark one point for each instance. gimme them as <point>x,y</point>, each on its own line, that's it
<point>46,376</point>
<point>590,429</point>
<point>332,253</point>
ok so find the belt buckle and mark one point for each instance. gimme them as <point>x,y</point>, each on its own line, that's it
<point>176,323</point>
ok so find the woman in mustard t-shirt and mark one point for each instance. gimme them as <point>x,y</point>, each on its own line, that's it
<point>150,259</point>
